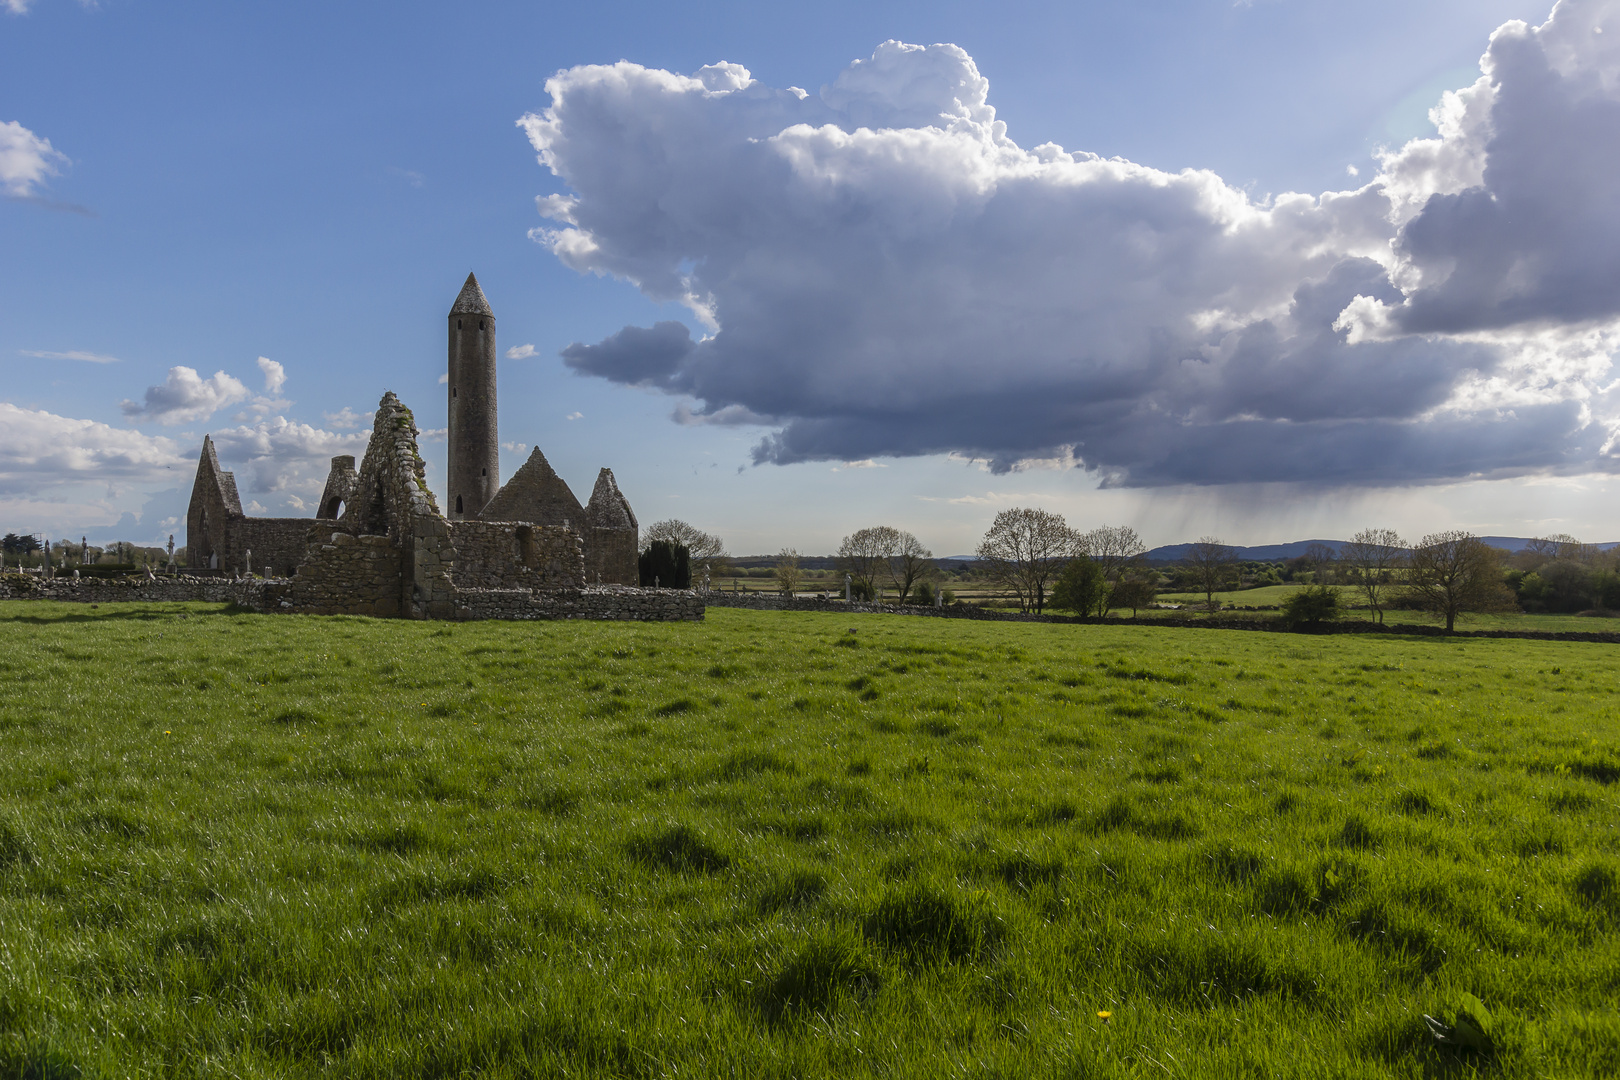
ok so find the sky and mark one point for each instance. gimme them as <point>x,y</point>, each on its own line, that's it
<point>1264,270</point>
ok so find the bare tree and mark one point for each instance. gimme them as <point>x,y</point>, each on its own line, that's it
<point>1372,557</point>
<point>1025,550</point>
<point>1211,563</point>
<point>787,572</point>
<point>1117,551</point>
<point>910,564</point>
<point>1559,547</point>
<point>704,547</point>
<point>864,555</point>
<point>1456,572</point>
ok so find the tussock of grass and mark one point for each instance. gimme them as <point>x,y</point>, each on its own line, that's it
<point>763,846</point>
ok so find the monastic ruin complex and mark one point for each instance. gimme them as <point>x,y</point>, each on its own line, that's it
<point>381,546</point>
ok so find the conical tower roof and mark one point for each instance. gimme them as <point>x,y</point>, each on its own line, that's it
<point>471,301</point>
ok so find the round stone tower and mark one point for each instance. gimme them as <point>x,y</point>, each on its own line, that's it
<point>474,447</point>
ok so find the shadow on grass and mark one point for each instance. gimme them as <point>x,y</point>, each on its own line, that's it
<point>679,848</point>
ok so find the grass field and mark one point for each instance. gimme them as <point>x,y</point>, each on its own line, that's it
<point>766,846</point>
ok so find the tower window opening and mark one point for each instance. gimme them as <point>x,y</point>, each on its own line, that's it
<point>458,324</point>
<point>452,391</point>
<point>483,472</point>
<point>480,326</point>
<point>458,504</point>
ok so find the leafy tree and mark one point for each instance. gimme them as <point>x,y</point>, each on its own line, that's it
<point>14,544</point>
<point>1312,604</point>
<point>864,555</point>
<point>1081,588</point>
<point>1456,572</point>
<point>910,565</point>
<point>1372,558</point>
<point>702,547</point>
<point>787,572</point>
<point>1211,563</point>
<point>1025,550</point>
<point>665,564</point>
<point>1134,593</point>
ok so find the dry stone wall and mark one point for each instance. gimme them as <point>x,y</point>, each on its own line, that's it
<point>210,590</point>
<point>592,602</point>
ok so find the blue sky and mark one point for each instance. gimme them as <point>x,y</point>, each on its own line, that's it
<point>310,183</point>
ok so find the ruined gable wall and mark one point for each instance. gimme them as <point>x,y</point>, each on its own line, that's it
<point>516,555</point>
<point>392,499</point>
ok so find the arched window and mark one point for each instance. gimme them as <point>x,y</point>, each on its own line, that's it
<point>458,504</point>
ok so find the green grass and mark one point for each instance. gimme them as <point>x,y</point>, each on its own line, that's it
<point>239,845</point>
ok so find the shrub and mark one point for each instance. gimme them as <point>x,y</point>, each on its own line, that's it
<point>1312,605</point>
<point>1081,588</point>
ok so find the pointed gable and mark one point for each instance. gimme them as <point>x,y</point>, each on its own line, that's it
<point>535,494</point>
<point>608,508</point>
<point>214,480</point>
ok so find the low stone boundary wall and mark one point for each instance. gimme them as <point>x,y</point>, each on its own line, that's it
<point>592,602</point>
<point>768,602</point>
<point>210,590</point>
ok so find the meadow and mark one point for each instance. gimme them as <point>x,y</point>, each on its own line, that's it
<point>779,844</point>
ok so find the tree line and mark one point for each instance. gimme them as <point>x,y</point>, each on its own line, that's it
<point>1042,562</point>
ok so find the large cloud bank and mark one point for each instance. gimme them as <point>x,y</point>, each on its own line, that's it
<point>878,270</point>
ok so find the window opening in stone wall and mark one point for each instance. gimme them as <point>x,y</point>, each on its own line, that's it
<point>452,391</point>
<point>458,504</point>
<point>458,324</point>
<point>484,472</point>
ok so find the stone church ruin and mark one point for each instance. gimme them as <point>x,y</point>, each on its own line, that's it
<point>380,544</point>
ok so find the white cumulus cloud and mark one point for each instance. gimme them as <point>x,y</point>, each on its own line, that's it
<point>185,397</point>
<point>346,419</point>
<point>275,376</point>
<point>277,454</point>
<point>520,352</point>
<point>25,158</point>
<point>878,270</point>
<point>39,449</point>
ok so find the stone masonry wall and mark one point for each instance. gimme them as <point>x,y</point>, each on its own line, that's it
<point>274,542</point>
<point>516,555</point>
<point>345,574</point>
<point>393,499</point>
<point>610,557</point>
<point>213,590</point>
<point>591,602</point>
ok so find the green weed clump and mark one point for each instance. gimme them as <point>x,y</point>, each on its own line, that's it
<point>763,845</point>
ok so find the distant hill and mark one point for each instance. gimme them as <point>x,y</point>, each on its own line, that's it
<point>1279,552</point>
